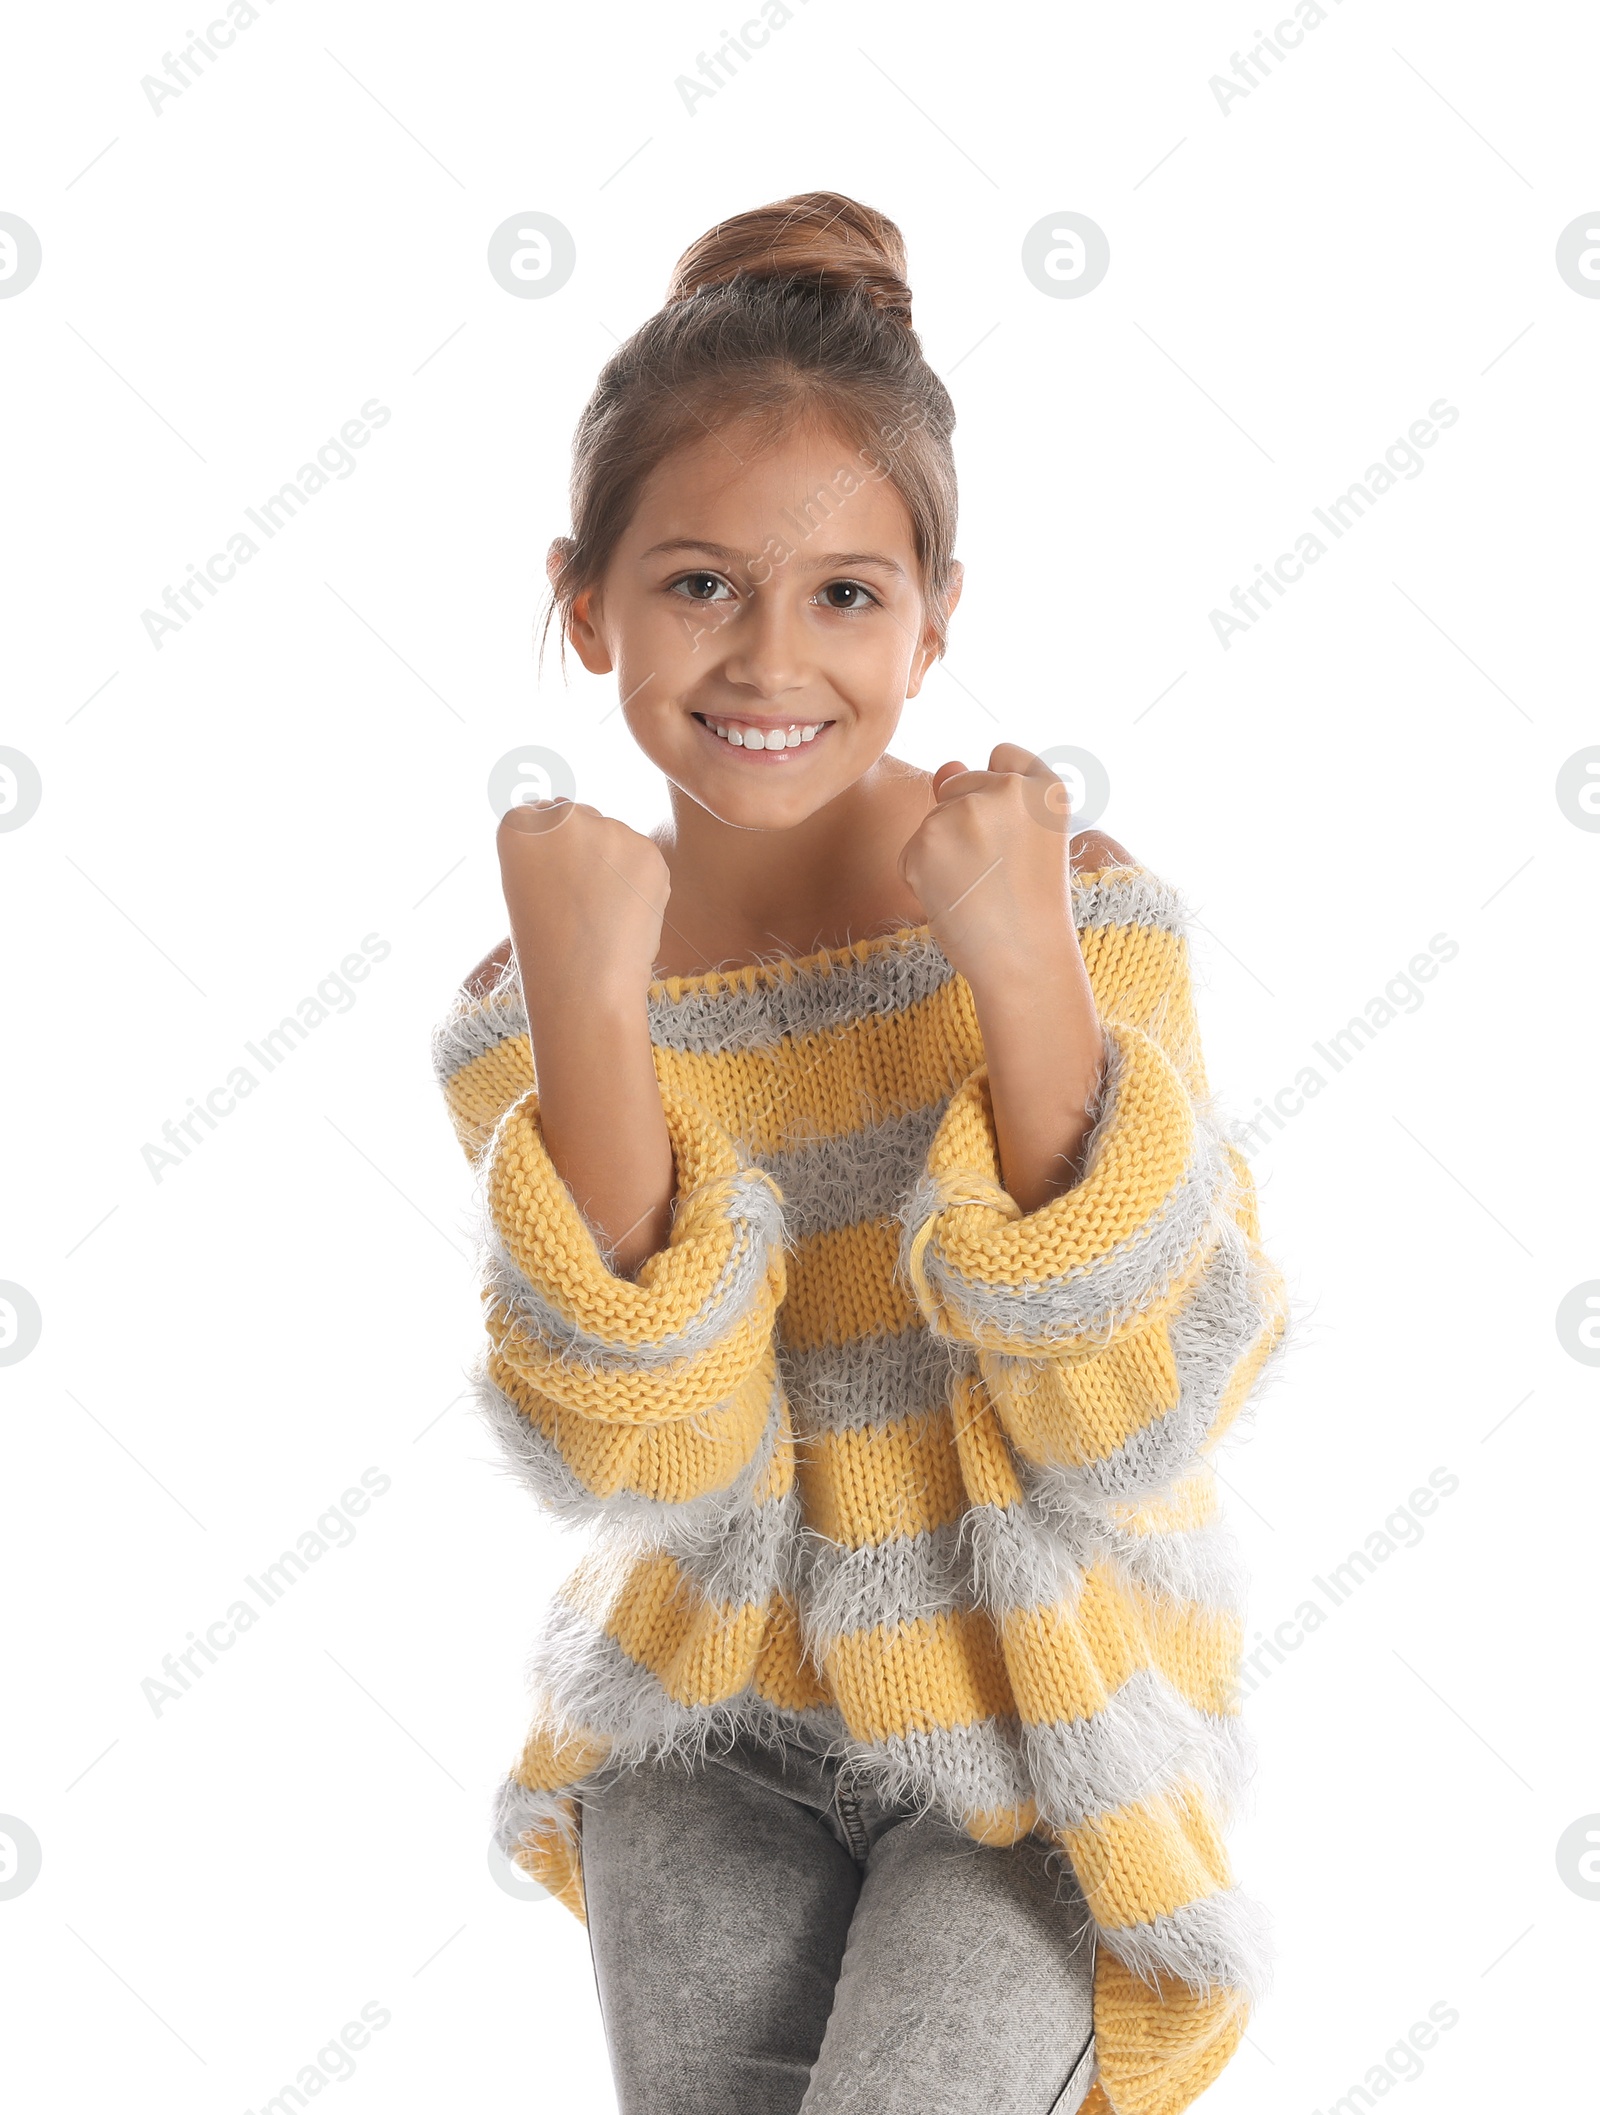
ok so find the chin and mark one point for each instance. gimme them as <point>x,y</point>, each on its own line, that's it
<point>755,810</point>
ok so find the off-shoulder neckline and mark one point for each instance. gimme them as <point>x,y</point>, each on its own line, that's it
<point>821,961</point>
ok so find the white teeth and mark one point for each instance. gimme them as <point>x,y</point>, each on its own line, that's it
<point>772,738</point>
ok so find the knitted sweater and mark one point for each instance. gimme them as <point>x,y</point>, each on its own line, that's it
<point>869,1450</point>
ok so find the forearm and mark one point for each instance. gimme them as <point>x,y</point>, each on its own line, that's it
<point>603,1123</point>
<point>1045,1051</point>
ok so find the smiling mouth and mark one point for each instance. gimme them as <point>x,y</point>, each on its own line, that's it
<point>775,739</point>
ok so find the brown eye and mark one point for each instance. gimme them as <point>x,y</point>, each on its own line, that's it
<point>691,580</point>
<point>849,587</point>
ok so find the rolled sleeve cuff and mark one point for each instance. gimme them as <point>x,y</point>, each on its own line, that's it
<point>680,1337</point>
<point>1073,1276</point>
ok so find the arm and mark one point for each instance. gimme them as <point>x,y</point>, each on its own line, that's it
<point>586,898</point>
<point>605,1389</point>
<point>1120,1324</point>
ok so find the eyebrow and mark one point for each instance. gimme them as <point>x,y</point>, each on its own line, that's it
<point>827,561</point>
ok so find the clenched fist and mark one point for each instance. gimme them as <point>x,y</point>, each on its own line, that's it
<point>586,897</point>
<point>991,865</point>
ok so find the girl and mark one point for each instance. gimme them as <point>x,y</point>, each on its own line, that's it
<point>865,1265</point>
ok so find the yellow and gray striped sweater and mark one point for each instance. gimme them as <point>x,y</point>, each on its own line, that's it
<point>867,1448</point>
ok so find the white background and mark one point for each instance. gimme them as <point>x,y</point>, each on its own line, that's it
<point>1292,284</point>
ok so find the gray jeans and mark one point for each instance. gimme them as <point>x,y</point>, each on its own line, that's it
<point>770,1938</point>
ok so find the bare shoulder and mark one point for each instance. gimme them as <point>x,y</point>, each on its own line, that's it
<point>1092,849</point>
<point>487,974</point>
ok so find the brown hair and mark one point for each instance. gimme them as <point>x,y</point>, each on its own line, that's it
<point>792,313</point>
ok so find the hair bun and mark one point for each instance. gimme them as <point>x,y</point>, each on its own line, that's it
<point>821,236</point>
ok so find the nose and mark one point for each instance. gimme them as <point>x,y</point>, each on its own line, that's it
<point>766,644</point>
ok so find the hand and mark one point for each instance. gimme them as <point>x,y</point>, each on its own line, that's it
<point>586,897</point>
<point>991,865</point>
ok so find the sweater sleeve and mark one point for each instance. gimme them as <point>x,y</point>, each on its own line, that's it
<point>604,1390</point>
<point>1119,1327</point>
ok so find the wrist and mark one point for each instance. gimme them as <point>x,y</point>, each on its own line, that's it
<point>603,1018</point>
<point>1013,983</point>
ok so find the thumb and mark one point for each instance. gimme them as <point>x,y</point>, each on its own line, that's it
<point>944,774</point>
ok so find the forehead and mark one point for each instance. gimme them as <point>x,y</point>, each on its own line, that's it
<point>730,487</point>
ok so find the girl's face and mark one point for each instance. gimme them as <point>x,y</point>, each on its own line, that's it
<point>764,616</point>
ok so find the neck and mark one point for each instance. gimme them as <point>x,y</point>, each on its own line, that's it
<point>739,894</point>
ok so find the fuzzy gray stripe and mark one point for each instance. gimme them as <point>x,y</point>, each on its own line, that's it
<point>874,1380</point>
<point>1144,1741</point>
<point>593,1682</point>
<point>1087,1305</point>
<point>903,1580</point>
<point>828,1183</point>
<point>534,1459</point>
<point>804,1003</point>
<point>757,1218</point>
<point>1222,1317</point>
<point>516,1809</point>
<point>957,1771</point>
<point>1223,1941</point>
<point>1201,1565</point>
<point>815,998</point>
<point>895,977</point>
<point>1021,1558</point>
<point>1128,896</point>
<point>989,1558</point>
<point>744,1561</point>
<point>473,1026</point>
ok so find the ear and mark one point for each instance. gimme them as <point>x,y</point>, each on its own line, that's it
<point>928,649</point>
<point>587,639</point>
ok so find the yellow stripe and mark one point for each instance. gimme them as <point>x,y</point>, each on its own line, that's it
<point>668,1462</point>
<point>1191,1503</point>
<point>874,1483</point>
<point>1067,1662</point>
<point>1084,1411</point>
<point>546,1237</point>
<point>890,1062</point>
<point>988,1468</point>
<point>1003,1826</point>
<point>621,1395</point>
<point>1158,2049</point>
<point>1143,1163</point>
<point>701,1652</point>
<point>842,1287</point>
<point>784,1676</point>
<point>935,1673</point>
<point>546,1855</point>
<point>480,1092</point>
<point>1150,1859</point>
<point>556,1754</point>
<point>1141,974</point>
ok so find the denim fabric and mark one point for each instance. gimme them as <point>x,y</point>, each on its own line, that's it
<point>770,1937</point>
